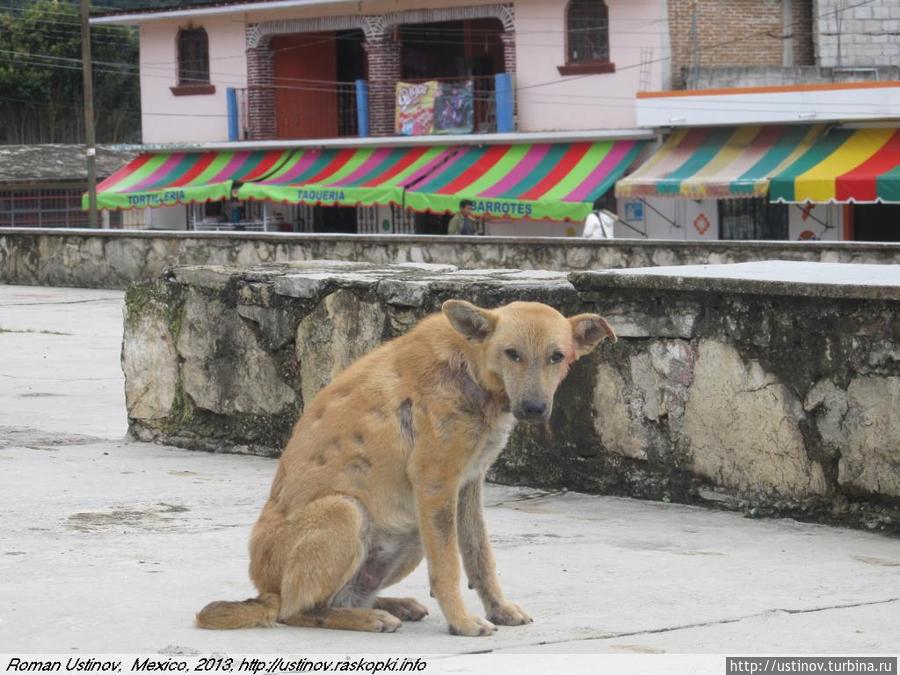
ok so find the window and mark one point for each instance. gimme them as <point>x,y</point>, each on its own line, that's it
<point>193,63</point>
<point>42,208</point>
<point>587,38</point>
<point>752,219</point>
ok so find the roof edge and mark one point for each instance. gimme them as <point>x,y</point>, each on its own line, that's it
<point>133,17</point>
<point>403,141</point>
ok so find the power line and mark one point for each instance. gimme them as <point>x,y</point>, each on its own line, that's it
<point>121,68</point>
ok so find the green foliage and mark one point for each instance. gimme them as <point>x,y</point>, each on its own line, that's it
<point>41,81</point>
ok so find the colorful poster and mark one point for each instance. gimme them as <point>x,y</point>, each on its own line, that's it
<point>415,108</point>
<point>454,112</point>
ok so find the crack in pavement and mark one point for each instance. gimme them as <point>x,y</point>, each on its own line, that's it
<point>25,437</point>
<point>59,302</point>
<point>61,379</point>
<point>670,629</point>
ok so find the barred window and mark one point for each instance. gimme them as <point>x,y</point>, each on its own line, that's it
<point>752,219</point>
<point>193,56</point>
<point>587,31</point>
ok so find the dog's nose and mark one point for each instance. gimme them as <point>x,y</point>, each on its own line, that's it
<point>533,410</point>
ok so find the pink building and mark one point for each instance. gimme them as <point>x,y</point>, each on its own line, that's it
<point>260,48</point>
<point>297,74</point>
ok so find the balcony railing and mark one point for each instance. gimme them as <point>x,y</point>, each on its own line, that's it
<point>332,109</point>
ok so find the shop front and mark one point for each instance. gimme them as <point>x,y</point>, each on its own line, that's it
<point>713,183</point>
<point>410,188</point>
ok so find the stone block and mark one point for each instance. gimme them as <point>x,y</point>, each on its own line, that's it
<point>742,426</point>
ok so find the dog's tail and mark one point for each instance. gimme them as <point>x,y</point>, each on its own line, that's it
<point>252,613</point>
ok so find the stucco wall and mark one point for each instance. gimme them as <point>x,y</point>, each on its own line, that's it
<point>546,100</point>
<point>113,259</point>
<point>773,398</point>
<point>167,118</point>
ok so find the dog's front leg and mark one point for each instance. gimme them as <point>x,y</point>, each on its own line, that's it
<point>478,559</point>
<point>437,506</point>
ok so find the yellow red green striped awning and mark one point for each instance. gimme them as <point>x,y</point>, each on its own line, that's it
<point>347,177</point>
<point>861,166</point>
<point>556,181</point>
<point>167,178</point>
<point>719,162</point>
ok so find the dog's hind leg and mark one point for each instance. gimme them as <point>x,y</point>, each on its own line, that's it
<point>405,609</point>
<point>325,549</point>
<point>346,618</point>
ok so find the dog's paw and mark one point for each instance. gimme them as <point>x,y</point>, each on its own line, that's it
<point>384,622</point>
<point>405,609</point>
<point>509,614</point>
<point>473,626</point>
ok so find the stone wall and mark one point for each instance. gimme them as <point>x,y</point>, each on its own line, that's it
<point>775,399</point>
<point>113,259</point>
<point>857,34</point>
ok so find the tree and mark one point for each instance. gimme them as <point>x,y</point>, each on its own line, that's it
<point>40,77</point>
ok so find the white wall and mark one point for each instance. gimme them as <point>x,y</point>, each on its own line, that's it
<point>824,221</point>
<point>693,220</point>
<point>532,228</point>
<point>808,103</point>
<point>167,118</point>
<point>168,218</point>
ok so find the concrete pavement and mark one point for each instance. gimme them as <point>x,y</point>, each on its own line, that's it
<point>107,545</point>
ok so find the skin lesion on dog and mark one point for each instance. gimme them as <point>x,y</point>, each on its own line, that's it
<point>387,467</point>
<point>405,415</point>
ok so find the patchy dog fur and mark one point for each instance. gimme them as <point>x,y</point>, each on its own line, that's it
<point>387,464</point>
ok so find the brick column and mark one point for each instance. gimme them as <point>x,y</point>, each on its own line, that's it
<point>383,53</point>
<point>509,65</point>
<point>509,51</point>
<point>260,94</point>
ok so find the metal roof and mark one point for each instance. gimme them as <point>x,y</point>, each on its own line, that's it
<point>50,163</point>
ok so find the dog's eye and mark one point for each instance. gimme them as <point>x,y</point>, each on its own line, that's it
<point>513,355</point>
<point>557,357</point>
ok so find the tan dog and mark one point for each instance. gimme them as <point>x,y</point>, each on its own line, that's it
<point>387,462</point>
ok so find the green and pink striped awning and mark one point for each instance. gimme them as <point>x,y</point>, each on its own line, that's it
<point>164,179</point>
<point>348,177</point>
<point>556,181</point>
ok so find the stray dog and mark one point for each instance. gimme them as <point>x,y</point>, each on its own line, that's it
<point>387,464</point>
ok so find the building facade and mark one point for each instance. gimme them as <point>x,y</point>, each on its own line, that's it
<point>282,56</point>
<point>730,76</point>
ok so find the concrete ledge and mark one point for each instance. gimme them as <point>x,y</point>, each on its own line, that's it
<point>771,277</point>
<point>778,403</point>
<point>115,258</point>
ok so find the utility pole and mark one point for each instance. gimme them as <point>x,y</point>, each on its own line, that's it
<point>89,140</point>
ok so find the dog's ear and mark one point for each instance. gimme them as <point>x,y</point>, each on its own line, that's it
<point>468,320</point>
<point>589,330</point>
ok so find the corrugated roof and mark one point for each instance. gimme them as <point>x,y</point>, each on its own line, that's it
<point>56,162</point>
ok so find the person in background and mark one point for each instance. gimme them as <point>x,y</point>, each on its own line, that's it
<point>463,222</point>
<point>599,223</point>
